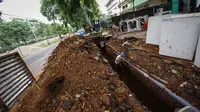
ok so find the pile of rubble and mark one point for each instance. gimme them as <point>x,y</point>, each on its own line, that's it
<point>78,79</point>
<point>178,75</point>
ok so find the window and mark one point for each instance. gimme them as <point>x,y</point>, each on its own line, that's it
<point>125,6</point>
<point>142,21</point>
<point>160,10</point>
<point>124,26</point>
<point>132,24</point>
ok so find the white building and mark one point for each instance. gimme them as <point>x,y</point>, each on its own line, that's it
<point>113,7</point>
<point>126,6</point>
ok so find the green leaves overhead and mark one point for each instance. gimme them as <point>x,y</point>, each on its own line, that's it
<point>69,11</point>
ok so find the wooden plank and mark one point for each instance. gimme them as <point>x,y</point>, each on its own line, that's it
<point>6,58</point>
<point>7,62</point>
<point>16,77</point>
<point>11,70</point>
<point>12,101</point>
<point>6,77</point>
<point>10,84</point>
<point>10,66</point>
<point>13,92</point>
<point>19,91</point>
<point>17,84</point>
<point>8,55</point>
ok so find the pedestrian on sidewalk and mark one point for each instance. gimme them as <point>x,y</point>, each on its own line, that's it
<point>118,60</point>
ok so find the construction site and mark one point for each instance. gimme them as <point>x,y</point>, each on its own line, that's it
<point>144,56</point>
<point>80,76</point>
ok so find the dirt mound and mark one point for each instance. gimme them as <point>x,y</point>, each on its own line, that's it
<point>76,80</point>
<point>55,84</point>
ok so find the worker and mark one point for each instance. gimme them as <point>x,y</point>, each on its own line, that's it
<point>145,25</point>
<point>102,44</point>
<point>118,59</point>
<point>115,31</point>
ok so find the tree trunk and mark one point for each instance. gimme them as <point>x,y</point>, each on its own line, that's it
<point>23,39</point>
<point>17,39</point>
<point>56,28</point>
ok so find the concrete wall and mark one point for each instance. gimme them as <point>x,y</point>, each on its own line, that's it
<point>154,29</point>
<point>113,7</point>
<point>179,36</point>
<point>197,57</point>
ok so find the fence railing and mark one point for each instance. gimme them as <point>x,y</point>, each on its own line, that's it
<point>15,77</point>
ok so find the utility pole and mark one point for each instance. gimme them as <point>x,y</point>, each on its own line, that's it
<point>32,30</point>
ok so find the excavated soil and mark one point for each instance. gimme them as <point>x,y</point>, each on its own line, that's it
<point>179,75</point>
<point>78,79</point>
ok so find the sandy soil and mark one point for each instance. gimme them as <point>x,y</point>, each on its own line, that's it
<point>78,79</point>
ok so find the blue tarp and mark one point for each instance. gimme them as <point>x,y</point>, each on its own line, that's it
<point>81,32</point>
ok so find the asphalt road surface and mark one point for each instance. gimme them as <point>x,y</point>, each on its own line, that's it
<point>36,61</point>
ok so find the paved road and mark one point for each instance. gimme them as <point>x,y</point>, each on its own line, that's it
<point>36,61</point>
<point>38,44</point>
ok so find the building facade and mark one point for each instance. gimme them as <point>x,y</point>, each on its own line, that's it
<point>113,7</point>
<point>126,6</point>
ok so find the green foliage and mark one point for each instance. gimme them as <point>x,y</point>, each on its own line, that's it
<point>15,31</point>
<point>70,11</point>
<point>18,32</point>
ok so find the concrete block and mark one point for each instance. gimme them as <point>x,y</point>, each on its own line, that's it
<point>197,57</point>
<point>154,29</point>
<point>179,36</point>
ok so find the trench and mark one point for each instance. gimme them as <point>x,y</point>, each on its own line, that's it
<point>150,92</point>
<point>143,94</point>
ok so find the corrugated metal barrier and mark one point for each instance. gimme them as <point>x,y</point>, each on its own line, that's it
<point>15,77</point>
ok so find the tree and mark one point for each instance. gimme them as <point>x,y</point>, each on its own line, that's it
<point>70,11</point>
<point>4,29</point>
<point>38,27</point>
<point>50,10</point>
<point>14,31</point>
<point>20,30</point>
